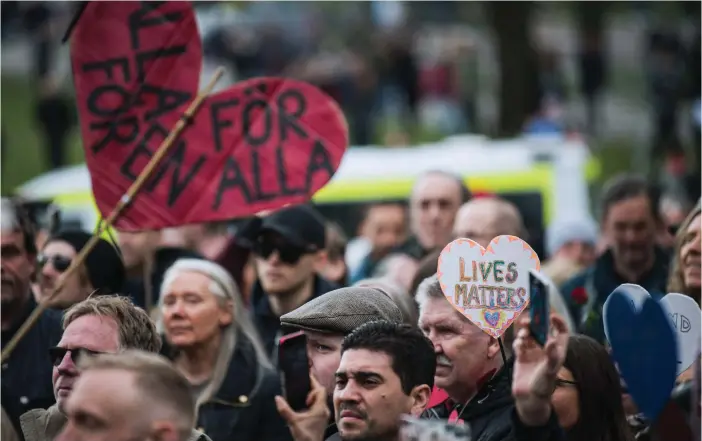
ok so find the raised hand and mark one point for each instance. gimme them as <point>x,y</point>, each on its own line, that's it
<point>309,424</point>
<point>535,370</point>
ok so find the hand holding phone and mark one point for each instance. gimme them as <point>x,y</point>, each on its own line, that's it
<point>539,311</point>
<point>309,424</point>
<point>294,367</point>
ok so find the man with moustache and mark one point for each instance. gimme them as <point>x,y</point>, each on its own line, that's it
<point>469,368</point>
<point>386,371</point>
<point>325,321</point>
<point>26,374</point>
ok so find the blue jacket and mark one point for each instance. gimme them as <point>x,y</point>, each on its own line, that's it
<point>586,293</point>
<point>365,270</point>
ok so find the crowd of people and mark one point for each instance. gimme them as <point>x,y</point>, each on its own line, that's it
<point>174,335</point>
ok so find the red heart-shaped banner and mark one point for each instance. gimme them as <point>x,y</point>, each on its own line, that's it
<point>262,144</point>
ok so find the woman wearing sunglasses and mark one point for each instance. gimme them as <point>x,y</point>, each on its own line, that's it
<point>102,271</point>
<point>567,390</point>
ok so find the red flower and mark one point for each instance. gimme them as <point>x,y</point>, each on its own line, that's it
<point>579,295</point>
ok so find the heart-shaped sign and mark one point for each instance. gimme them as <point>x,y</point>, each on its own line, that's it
<point>266,143</point>
<point>490,286</point>
<point>686,317</point>
<point>635,294</point>
<point>645,349</point>
<point>683,313</point>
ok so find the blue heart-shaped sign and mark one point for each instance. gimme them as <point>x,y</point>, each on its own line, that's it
<point>492,318</point>
<point>644,346</point>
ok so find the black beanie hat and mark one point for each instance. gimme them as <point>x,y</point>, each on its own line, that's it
<point>104,264</point>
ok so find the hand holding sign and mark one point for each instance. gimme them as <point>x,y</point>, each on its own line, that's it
<point>265,143</point>
<point>644,347</point>
<point>490,286</point>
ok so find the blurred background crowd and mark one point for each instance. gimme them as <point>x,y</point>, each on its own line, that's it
<point>466,119</point>
<point>624,76</point>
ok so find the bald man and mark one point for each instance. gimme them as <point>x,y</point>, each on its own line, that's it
<point>485,218</point>
<point>435,197</point>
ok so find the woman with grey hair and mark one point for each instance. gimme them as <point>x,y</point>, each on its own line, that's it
<point>213,343</point>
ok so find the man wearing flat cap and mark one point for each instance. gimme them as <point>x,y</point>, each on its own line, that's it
<point>102,270</point>
<point>327,319</point>
<point>288,248</point>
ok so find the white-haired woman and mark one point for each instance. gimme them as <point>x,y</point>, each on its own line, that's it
<point>212,341</point>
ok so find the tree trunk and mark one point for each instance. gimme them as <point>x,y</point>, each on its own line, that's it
<point>519,76</point>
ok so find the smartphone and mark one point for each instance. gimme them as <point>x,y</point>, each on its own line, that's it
<point>539,311</point>
<point>294,367</point>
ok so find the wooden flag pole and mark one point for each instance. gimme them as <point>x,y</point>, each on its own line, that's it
<point>121,205</point>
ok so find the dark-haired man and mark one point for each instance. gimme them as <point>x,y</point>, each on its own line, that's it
<point>289,249</point>
<point>384,225</point>
<point>630,222</point>
<point>325,326</point>
<point>26,375</point>
<point>386,371</point>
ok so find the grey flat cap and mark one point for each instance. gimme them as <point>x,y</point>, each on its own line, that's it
<point>343,310</point>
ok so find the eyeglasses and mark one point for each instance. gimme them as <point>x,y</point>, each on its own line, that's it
<point>565,383</point>
<point>56,354</point>
<point>60,263</point>
<point>287,253</point>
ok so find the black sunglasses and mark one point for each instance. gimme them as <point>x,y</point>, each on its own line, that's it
<point>60,263</point>
<point>288,253</point>
<point>57,354</point>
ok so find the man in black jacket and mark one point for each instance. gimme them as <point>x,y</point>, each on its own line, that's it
<point>289,254</point>
<point>26,374</point>
<point>470,368</point>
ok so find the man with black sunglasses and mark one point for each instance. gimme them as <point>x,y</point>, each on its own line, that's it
<point>26,374</point>
<point>289,254</point>
<point>99,325</point>
<point>102,271</point>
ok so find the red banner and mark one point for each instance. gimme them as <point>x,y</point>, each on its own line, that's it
<point>260,145</point>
